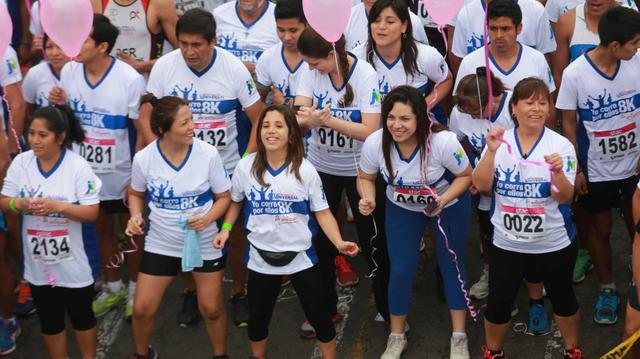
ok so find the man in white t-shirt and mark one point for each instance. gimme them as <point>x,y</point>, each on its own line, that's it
<point>509,60</point>
<point>600,99</point>
<point>246,28</point>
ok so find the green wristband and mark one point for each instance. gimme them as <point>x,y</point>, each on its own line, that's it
<point>245,154</point>
<point>12,206</point>
<point>227,226</point>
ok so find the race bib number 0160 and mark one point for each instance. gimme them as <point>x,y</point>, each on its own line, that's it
<point>49,246</point>
<point>413,195</point>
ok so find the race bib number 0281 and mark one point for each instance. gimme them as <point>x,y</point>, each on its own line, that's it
<point>100,153</point>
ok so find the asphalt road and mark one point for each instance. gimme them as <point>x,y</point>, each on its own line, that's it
<point>359,336</point>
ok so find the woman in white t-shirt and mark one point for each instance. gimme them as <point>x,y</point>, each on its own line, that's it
<point>532,180</point>
<point>186,187</point>
<point>55,190</point>
<point>284,204</point>
<point>428,175</point>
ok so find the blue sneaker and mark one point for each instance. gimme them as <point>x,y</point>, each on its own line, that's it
<point>538,321</point>
<point>9,332</point>
<point>607,307</point>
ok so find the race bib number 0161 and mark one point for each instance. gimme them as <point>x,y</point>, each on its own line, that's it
<point>49,246</point>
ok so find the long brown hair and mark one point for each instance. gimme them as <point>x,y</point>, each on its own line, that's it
<point>411,97</point>
<point>311,44</point>
<point>295,148</point>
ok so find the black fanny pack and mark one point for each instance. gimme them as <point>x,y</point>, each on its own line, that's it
<point>276,259</point>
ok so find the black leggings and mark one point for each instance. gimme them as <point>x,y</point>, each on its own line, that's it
<point>333,187</point>
<point>263,292</point>
<point>554,269</point>
<point>53,303</point>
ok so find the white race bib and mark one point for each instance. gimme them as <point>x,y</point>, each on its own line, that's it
<point>412,195</point>
<point>334,141</point>
<point>211,129</point>
<point>615,144</point>
<point>100,153</point>
<point>525,224</point>
<point>50,247</point>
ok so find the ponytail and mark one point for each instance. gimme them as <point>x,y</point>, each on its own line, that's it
<point>343,60</point>
<point>163,113</point>
<point>61,120</point>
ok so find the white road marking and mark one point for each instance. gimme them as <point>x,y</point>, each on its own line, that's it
<point>108,329</point>
<point>345,298</point>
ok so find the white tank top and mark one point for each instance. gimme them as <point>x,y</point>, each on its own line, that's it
<point>135,38</point>
<point>582,39</point>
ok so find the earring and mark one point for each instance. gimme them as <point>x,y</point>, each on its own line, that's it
<point>404,35</point>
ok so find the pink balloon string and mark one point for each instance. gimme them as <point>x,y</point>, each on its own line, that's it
<point>490,108</point>
<point>117,260</point>
<point>11,122</point>
<point>424,173</point>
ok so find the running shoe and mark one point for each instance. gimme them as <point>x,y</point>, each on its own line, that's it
<point>396,344</point>
<point>128,310</point>
<point>489,354</point>
<point>24,304</point>
<point>480,289</point>
<point>574,353</point>
<point>582,266</point>
<point>9,332</point>
<point>607,307</point>
<point>307,331</point>
<point>189,314</point>
<point>240,309</point>
<point>538,320</point>
<point>345,275</point>
<point>106,301</point>
<point>459,348</point>
<point>152,354</point>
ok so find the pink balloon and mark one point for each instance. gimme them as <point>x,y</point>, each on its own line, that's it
<point>6,29</point>
<point>443,11</point>
<point>67,22</point>
<point>328,18</point>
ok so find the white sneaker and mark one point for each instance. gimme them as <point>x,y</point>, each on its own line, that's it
<point>480,289</point>
<point>396,344</point>
<point>459,348</point>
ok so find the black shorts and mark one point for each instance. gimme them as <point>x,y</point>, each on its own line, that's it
<point>603,196</point>
<point>161,265</point>
<point>54,303</point>
<point>632,295</point>
<point>114,206</point>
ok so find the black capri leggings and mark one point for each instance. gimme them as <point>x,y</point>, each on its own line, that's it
<point>53,303</point>
<point>378,259</point>
<point>554,269</point>
<point>263,292</point>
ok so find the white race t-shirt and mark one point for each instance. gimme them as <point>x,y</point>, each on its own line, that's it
<point>555,8</point>
<point>245,41</point>
<point>37,84</point>
<point>280,217</point>
<point>530,63</point>
<point>608,111</point>
<point>329,150</point>
<point>272,70</point>
<point>53,244</point>
<point>216,98</point>
<point>431,66</point>
<point>526,219</point>
<point>474,132</point>
<point>407,189</point>
<point>357,31</point>
<point>106,111</point>
<point>174,192</point>
<point>469,33</point>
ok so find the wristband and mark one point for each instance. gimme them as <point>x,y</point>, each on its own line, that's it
<point>12,206</point>
<point>228,226</point>
<point>245,154</point>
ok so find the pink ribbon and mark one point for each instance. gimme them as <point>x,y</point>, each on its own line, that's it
<point>117,260</point>
<point>11,123</point>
